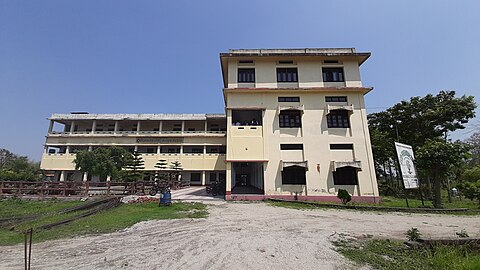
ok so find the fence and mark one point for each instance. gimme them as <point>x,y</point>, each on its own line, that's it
<point>72,188</point>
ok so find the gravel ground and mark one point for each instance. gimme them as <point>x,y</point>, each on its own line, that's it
<point>234,236</point>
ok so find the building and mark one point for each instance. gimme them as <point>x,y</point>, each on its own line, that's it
<point>295,125</point>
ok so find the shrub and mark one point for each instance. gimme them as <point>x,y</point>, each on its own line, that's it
<point>344,196</point>
<point>413,234</point>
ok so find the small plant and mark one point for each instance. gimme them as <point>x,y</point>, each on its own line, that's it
<point>344,196</point>
<point>413,234</point>
<point>462,234</point>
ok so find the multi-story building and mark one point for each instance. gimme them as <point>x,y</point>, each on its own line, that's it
<point>295,125</point>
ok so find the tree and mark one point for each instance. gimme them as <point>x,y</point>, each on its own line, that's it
<point>161,165</point>
<point>474,142</point>
<point>176,166</point>
<point>18,168</point>
<point>102,162</point>
<point>423,118</point>
<point>417,121</point>
<point>134,167</point>
<point>438,158</point>
<point>471,190</point>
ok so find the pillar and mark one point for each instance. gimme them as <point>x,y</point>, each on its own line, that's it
<point>206,126</point>
<point>108,178</point>
<point>160,126</point>
<point>115,129</point>
<point>94,126</point>
<point>67,151</point>
<point>203,178</point>
<point>183,126</point>
<point>90,148</point>
<point>62,176</point>
<point>50,127</point>
<point>72,127</point>
<point>85,177</point>
<point>138,126</point>
<point>158,149</point>
<point>228,179</point>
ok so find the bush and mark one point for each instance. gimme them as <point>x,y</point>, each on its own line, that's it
<point>413,234</point>
<point>344,196</point>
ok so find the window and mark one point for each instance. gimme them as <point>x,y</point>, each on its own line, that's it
<point>216,150</point>
<point>288,99</point>
<point>195,177</point>
<point>287,75</point>
<point>333,75</point>
<point>291,146</point>
<point>336,99</point>
<point>246,75</point>
<point>345,176</point>
<point>294,175</point>
<point>330,61</point>
<point>338,119</point>
<point>193,149</point>
<point>290,119</point>
<point>285,62</point>
<point>344,146</point>
<point>170,149</point>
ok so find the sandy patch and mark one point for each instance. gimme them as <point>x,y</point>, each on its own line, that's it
<point>234,236</point>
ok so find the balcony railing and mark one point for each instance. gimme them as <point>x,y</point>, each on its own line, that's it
<point>145,132</point>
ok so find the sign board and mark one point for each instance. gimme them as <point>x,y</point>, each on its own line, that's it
<point>159,140</point>
<point>407,167</point>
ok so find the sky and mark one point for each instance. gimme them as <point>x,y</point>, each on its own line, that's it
<point>163,56</point>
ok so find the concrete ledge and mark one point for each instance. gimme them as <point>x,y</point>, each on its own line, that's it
<point>374,208</point>
<point>333,199</point>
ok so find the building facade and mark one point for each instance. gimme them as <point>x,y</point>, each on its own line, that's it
<point>294,125</point>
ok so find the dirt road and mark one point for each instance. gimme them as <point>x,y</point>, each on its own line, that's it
<point>234,236</point>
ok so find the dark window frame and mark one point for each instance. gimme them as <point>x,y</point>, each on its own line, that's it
<point>338,119</point>
<point>288,99</point>
<point>294,175</point>
<point>291,146</point>
<point>333,74</point>
<point>287,75</point>
<point>346,176</point>
<point>290,119</point>
<point>195,180</point>
<point>246,75</point>
<point>341,146</point>
<point>336,99</point>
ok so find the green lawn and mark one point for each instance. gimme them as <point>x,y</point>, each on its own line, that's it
<point>111,220</point>
<point>386,254</point>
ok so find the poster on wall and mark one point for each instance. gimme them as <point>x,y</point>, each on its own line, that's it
<point>407,167</point>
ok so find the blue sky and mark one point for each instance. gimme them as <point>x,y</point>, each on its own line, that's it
<point>162,56</point>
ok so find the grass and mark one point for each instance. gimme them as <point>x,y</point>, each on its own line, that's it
<point>393,255</point>
<point>17,207</point>
<point>111,220</point>
<point>390,201</point>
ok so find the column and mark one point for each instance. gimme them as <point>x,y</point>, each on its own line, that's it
<point>50,127</point>
<point>67,151</point>
<point>138,127</point>
<point>206,126</point>
<point>72,127</point>
<point>90,148</point>
<point>108,178</point>
<point>135,148</point>
<point>62,176</point>
<point>160,126</point>
<point>228,179</point>
<point>183,126</point>
<point>85,177</point>
<point>94,126</point>
<point>115,129</point>
<point>203,178</point>
<point>158,149</point>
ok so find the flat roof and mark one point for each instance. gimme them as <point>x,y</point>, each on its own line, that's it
<point>160,116</point>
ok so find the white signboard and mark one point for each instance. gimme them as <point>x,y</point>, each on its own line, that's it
<point>407,167</point>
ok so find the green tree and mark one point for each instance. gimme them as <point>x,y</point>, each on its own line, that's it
<point>18,168</point>
<point>417,121</point>
<point>135,167</point>
<point>474,142</point>
<point>423,118</point>
<point>161,166</point>
<point>102,162</point>
<point>176,167</point>
<point>439,158</point>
